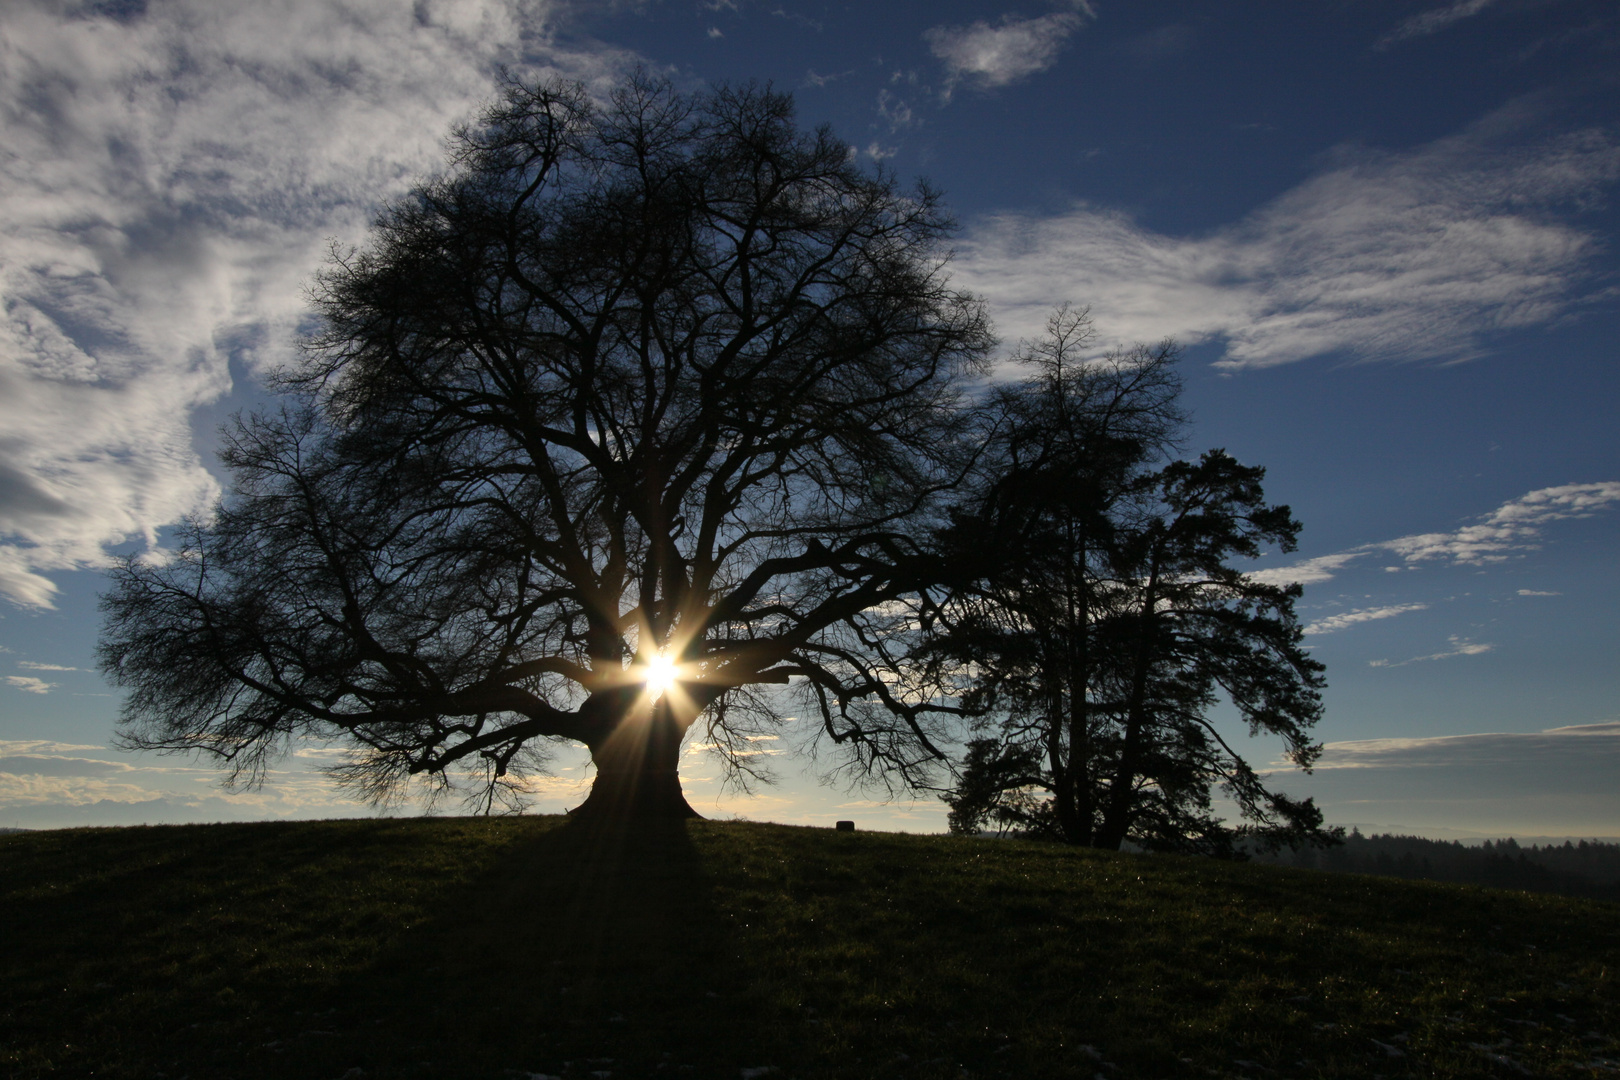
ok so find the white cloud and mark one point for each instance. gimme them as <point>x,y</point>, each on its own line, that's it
<point>1431,22</point>
<point>1555,782</point>
<point>895,111</point>
<point>818,81</point>
<point>170,178</point>
<point>1361,615</point>
<point>42,746</point>
<point>1017,48</point>
<point>1538,592</point>
<point>48,783</point>
<point>1450,751</point>
<point>1607,729</point>
<point>58,765</point>
<point>1459,647</point>
<point>29,665</point>
<point>27,789</point>
<point>1391,256</point>
<point>1309,572</point>
<point>30,685</point>
<point>53,800</point>
<point>1511,529</point>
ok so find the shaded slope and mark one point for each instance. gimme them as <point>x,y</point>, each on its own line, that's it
<point>471,948</point>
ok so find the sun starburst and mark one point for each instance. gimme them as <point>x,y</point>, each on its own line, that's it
<point>660,674</point>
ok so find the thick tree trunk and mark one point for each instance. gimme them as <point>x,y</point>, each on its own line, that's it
<point>637,771</point>
<point>1119,812</point>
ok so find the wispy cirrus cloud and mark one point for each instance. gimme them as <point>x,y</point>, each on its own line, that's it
<point>43,746</point>
<point>1310,571</point>
<point>47,784</point>
<point>1511,529</point>
<point>987,56</point>
<point>1558,781</point>
<point>1350,618</point>
<point>1449,751</point>
<point>1459,647</point>
<point>29,684</point>
<point>1433,21</point>
<point>819,81</point>
<point>1382,256</point>
<point>894,111</point>
<point>59,765</point>
<point>171,174</point>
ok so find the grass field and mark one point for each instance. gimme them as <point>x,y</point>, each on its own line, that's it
<point>516,947</point>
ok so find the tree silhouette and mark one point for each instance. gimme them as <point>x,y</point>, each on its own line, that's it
<point>636,408</point>
<point>1104,620</point>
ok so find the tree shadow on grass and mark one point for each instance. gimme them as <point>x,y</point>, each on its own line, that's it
<point>588,949</point>
<point>405,948</point>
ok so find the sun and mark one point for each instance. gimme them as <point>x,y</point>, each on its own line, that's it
<point>660,674</point>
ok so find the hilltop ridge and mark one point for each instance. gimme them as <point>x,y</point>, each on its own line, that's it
<point>525,946</point>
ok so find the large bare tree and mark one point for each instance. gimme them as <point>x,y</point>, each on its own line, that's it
<point>637,407</point>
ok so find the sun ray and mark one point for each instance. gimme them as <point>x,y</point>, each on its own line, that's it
<point>660,674</point>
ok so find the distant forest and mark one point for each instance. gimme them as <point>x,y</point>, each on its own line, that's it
<point>1589,868</point>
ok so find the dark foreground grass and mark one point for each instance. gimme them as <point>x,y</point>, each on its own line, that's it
<point>507,948</point>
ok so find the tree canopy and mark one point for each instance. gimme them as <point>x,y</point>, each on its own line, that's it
<point>646,407</point>
<point>1104,618</point>
<point>637,406</point>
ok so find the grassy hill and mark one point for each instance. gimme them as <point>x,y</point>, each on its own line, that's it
<point>511,948</point>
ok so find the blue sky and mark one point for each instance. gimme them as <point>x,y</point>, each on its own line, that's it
<point>1385,233</point>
